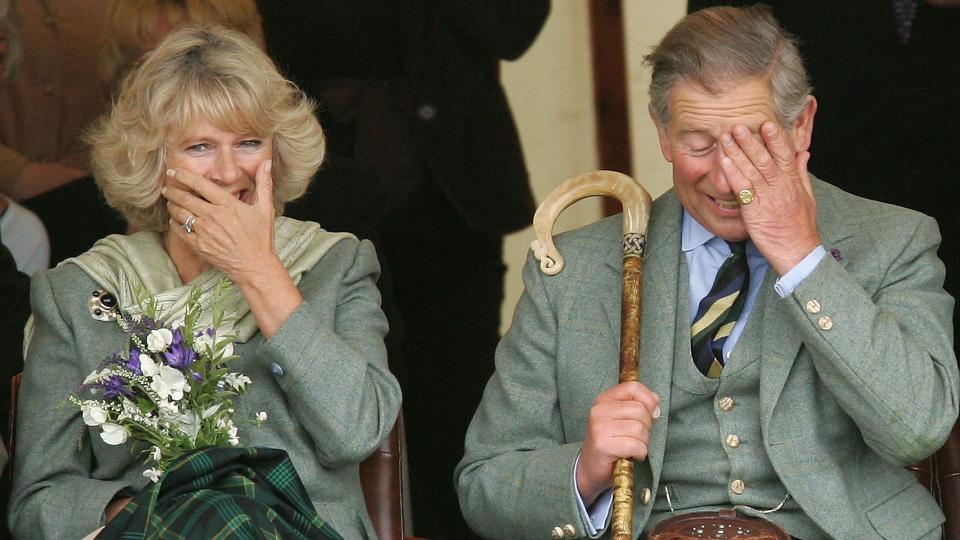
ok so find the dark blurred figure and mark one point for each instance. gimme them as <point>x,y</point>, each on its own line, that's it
<point>410,92</point>
<point>15,299</point>
<point>886,74</point>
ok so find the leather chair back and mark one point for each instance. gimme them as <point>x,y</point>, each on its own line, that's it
<point>383,478</point>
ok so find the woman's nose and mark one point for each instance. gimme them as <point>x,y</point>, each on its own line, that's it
<point>226,170</point>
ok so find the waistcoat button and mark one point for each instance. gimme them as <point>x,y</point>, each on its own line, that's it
<point>737,486</point>
<point>726,403</point>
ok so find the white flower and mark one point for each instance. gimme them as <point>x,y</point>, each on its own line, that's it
<point>236,381</point>
<point>232,431</point>
<point>114,434</point>
<point>153,474</point>
<point>148,367</point>
<point>91,377</point>
<point>261,416</point>
<point>130,409</point>
<point>189,423</point>
<point>228,350</point>
<point>169,383</point>
<point>203,343</point>
<point>168,408</point>
<point>156,454</point>
<point>93,414</point>
<point>159,340</point>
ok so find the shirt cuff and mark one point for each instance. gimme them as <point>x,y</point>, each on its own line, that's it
<point>792,279</point>
<point>597,518</point>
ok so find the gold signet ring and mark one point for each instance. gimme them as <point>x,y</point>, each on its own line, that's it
<point>746,196</point>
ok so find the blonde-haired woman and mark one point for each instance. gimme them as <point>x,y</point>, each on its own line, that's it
<point>205,144</point>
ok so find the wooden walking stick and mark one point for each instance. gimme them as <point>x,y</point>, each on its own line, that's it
<point>636,215</point>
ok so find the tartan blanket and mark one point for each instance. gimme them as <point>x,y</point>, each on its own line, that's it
<point>223,492</point>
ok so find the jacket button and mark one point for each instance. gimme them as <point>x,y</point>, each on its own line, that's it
<point>733,441</point>
<point>645,496</point>
<point>427,112</point>
<point>737,486</point>
<point>276,369</point>
<point>556,532</point>
<point>813,307</point>
<point>569,530</point>
<point>825,323</point>
<point>726,403</point>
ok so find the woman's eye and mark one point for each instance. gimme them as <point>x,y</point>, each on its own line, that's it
<point>198,148</point>
<point>251,144</point>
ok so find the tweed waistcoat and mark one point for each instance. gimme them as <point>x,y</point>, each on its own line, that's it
<point>709,447</point>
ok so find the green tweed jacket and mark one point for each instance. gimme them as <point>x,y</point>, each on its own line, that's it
<point>322,379</point>
<point>841,410</point>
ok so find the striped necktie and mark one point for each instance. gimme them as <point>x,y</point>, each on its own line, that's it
<point>718,312</point>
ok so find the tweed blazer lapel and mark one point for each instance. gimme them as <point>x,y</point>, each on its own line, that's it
<point>660,281</point>
<point>780,342</point>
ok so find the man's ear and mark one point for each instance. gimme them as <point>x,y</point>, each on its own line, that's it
<point>803,125</point>
<point>662,135</point>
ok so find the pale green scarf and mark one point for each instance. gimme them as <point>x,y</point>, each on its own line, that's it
<point>123,264</point>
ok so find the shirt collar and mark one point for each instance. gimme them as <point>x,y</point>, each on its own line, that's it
<point>693,234</point>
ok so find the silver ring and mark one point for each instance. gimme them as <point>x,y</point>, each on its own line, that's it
<point>188,224</point>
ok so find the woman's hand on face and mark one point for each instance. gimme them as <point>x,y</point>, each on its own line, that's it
<point>231,235</point>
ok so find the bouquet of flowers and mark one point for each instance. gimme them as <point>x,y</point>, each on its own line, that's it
<point>170,387</point>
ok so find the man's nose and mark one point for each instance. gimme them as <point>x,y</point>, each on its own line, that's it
<point>717,176</point>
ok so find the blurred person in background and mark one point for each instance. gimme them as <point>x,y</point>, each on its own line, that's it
<point>410,96</point>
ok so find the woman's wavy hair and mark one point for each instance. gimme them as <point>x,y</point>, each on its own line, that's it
<point>205,72</point>
<point>721,45</point>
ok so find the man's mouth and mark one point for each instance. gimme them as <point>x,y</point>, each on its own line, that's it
<point>730,205</point>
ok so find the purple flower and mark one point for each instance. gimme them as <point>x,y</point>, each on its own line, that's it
<point>178,355</point>
<point>140,327</point>
<point>133,364</point>
<point>114,386</point>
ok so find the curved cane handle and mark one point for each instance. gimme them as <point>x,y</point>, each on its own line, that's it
<point>636,210</point>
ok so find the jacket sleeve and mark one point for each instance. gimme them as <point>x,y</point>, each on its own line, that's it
<point>504,29</point>
<point>883,346</point>
<point>54,495</point>
<point>329,357</point>
<point>516,477</point>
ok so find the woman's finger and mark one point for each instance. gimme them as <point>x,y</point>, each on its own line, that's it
<point>187,200</point>
<point>179,213</point>
<point>264,184</point>
<point>209,191</point>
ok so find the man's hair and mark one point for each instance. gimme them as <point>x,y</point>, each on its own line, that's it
<point>721,45</point>
<point>200,73</point>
